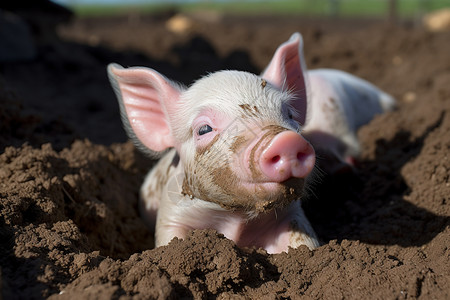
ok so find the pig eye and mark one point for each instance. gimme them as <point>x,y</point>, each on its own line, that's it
<point>290,116</point>
<point>204,129</point>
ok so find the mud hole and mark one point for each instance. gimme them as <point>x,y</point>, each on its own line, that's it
<point>69,227</point>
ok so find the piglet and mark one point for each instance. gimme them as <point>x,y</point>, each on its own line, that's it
<point>235,158</point>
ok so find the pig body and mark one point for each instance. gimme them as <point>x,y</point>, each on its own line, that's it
<point>239,161</point>
<point>339,104</point>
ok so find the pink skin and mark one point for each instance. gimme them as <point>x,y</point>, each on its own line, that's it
<point>288,155</point>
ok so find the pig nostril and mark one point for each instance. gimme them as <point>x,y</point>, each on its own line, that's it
<point>275,159</point>
<point>288,155</point>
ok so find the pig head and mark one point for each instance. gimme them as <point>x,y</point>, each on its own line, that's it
<point>233,155</point>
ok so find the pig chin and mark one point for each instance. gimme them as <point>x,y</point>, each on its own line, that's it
<point>264,197</point>
<point>251,198</point>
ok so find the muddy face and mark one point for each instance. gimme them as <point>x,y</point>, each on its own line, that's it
<point>227,172</point>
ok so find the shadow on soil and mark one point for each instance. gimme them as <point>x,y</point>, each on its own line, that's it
<point>369,205</point>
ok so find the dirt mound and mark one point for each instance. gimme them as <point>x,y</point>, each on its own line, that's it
<point>69,225</point>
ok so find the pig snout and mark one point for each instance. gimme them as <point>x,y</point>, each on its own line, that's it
<point>287,155</point>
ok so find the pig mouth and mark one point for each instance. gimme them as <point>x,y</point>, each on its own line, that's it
<point>251,196</point>
<point>266,196</point>
<point>292,185</point>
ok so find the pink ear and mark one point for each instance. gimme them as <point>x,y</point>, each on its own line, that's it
<point>145,97</point>
<point>287,69</point>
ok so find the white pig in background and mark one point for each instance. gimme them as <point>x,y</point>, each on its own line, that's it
<point>237,158</point>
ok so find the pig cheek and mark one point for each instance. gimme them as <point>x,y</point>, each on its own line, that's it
<point>238,158</point>
<point>199,167</point>
<point>210,176</point>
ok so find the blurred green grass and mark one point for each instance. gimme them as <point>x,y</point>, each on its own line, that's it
<point>341,8</point>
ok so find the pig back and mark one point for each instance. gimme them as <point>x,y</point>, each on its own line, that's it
<point>358,99</point>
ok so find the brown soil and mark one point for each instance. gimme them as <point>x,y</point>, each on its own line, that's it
<point>69,226</point>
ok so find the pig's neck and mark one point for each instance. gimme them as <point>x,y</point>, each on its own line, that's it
<point>270,230</point>
<point>265,231</point>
